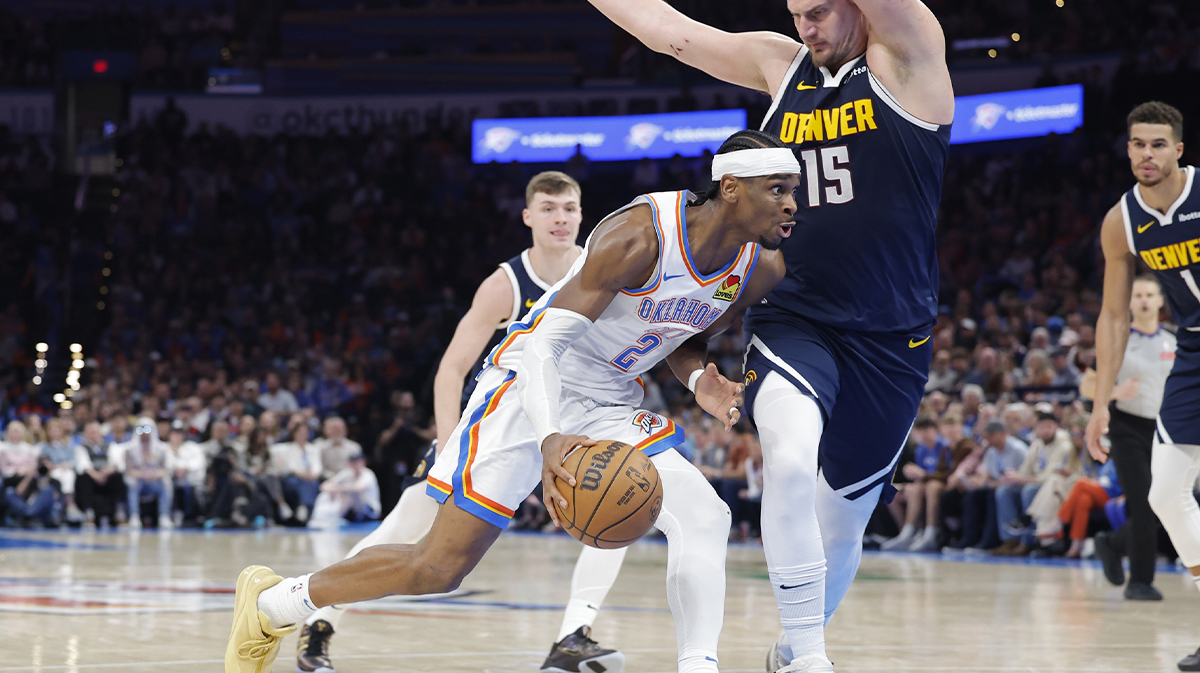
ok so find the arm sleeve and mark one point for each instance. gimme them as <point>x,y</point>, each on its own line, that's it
<point>538,382</point>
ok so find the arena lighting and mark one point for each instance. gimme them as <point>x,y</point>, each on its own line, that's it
<point>1016,37</point>
<point>78,364</point>
<point>99,66</point>
<point>75,386</point>
<point>37,380</point>
<point>59,398</point>
<point>39,363</point>
<point>991,53</point>
<point>76,348</point>
<point>42,347</point>
<point>67,404</point>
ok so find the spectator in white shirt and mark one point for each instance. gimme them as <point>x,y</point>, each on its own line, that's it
<point>277,398</point>
<point>18,458</point>
<point>62,457</point>
<point>352,494</point>
<point>336,448</point>
<point>147,472</point>
<point>299,464</point>
<point>188,467</point>
<point>100,486</point>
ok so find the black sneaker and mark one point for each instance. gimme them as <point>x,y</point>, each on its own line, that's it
<point>577,653</point>
<point>1140,591</point>
<point>312,652</point>
<point>1110,560</point>
<point>1191,662</point>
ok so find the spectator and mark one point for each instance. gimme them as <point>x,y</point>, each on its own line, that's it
<point>352,494</point>
<point>1086,496</point>
<point>1051,452</point>
<point>147,473</point>
<point>926,474</point>
<point>941,376</point>
<point>100,488</point>
<point>336,449</point>
<point>18,458</point>
<point>35,498</point>
<point>62,459</point>
<point>298,463</point>
<point>1004,453</point>
<point>188,471</point>
<point>276,398</point>
<point>1065,374</point>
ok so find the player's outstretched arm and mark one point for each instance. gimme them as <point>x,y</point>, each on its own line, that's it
<point>622,253</point>
<point>756,60</point>
<point>1112,325</point>
<point>491,306</point>
<point>716,394</point>
<point>906,50</point>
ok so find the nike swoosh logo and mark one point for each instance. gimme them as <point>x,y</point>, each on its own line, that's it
<point>804,87</point>
<point>785,588</point>
<point>913,343</point>
<point>1146,226</point>
<point>666,278</point>
<point>528,303</point>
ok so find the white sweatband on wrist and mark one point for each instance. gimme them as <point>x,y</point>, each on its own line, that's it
<point>754,163</point>
<point>693,378</point>
<point>538,383</point>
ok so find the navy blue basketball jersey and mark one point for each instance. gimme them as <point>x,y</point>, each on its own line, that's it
<point>863,254</point>
<point>527,289</point>
<point>1169,243</point>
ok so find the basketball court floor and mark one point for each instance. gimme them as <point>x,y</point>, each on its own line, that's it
<point>161,602</point>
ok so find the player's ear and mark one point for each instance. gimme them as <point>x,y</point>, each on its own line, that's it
<point>526,217</point>
<point>729,188</point>
<point>1179,149</point>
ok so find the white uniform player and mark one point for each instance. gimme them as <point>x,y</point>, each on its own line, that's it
<point>663,274</point>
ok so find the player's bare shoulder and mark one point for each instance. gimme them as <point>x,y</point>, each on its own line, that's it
<point>906,51</point>
<point>624,247</point>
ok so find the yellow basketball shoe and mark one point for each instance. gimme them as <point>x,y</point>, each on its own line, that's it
<point>253,643</point>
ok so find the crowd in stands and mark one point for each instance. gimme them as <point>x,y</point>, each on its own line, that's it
<point>176,46</point>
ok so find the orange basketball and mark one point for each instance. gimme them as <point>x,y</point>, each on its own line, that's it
<point>616,498</point>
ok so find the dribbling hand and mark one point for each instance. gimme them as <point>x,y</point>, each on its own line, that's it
<point>554,450</point>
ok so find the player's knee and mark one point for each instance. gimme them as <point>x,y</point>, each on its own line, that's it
<point>712,517</point>
<point>1165,498</point>
<point>437,571</point>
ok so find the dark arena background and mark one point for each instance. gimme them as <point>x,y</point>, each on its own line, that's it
<point>249,229</point>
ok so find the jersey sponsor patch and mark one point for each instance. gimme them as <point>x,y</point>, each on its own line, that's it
<point>648,422</point>
<point>729,288</point>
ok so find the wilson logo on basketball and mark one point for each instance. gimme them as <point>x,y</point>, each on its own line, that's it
<point>595,471</point>
<point>728,289</point>
<point>648,422</point>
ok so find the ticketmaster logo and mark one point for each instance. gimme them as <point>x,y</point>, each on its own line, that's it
<point>551,140</point>
<point>687,134</point>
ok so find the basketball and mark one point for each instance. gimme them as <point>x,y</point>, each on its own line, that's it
<point>616,498</point>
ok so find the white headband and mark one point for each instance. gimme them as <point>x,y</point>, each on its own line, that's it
<point>754,163</point>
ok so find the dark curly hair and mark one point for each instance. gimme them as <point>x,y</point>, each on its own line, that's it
<point>748,139</point>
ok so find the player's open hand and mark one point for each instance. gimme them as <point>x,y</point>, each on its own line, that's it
<point>719,396</point>
<point>554,450</point>
<point>1096,428</point>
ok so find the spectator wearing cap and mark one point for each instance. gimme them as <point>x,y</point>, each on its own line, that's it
<point>188,467</point>
<point>298,463</point>
<point>352,494</point>
<point>1052,451</point>
<point>335,447</point>
<point>277,398</point>
<point>100,486</point>
<point>147,473</point>
<point>971,489</point>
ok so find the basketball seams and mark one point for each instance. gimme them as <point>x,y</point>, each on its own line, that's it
<point>656,487</point>
<point>607,488</point>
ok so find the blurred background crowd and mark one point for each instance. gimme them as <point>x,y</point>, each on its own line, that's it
<point>261,317</point>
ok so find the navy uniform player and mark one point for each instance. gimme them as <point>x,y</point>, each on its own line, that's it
<point>840,350</point>
<point>1158,221</point>
<point>553,214</point>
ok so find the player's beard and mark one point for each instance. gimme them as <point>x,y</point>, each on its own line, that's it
<point>1163,173</point>
<point>769,243</point>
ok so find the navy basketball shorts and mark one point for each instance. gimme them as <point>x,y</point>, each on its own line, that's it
<point>1179,417</point>
<point>869,386</point>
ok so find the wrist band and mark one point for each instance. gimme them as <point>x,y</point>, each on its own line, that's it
<point>693,378</point>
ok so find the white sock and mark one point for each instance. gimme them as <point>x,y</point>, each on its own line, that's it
<point>407,523</point>
<point>800,595</point>
<point>1196,579</point>
<point>908,531</point>
<point>287,603</point>
<point>595,572</point>
<point>698,664</point>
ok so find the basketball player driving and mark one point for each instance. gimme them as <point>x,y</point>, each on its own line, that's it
<point>668,270</point>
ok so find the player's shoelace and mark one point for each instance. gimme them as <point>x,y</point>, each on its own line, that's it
<point>318,644</point>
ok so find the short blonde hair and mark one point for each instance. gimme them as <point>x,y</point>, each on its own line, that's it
<point>552,183</point>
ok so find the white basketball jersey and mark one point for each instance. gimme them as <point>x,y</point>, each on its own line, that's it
<point>641,326</point>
